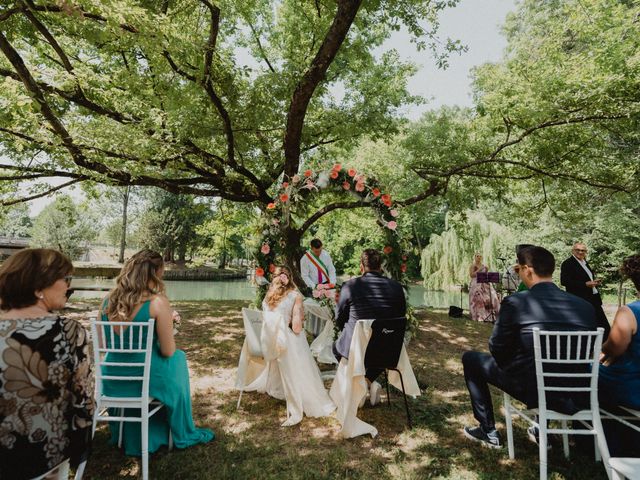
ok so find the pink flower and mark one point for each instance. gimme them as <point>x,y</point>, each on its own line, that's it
<point>285,184</point>
<point>276,222</point>
<point>271,206</point>
<point>360,187</point>
<point>272,268</point>
<point>346,185</point>
<point>403,267</point>
<point>392,225</point>
<point>316,294</point>
<point>309,185</point>
<point>265,249</point>
<point>359,178</point>
<point>394,213</point>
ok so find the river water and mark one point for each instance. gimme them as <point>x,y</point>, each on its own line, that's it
<point>180,290</point>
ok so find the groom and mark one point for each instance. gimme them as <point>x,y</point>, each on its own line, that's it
<point>371,296</point>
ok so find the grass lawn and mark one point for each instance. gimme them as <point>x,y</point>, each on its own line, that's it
<point>251,444</point>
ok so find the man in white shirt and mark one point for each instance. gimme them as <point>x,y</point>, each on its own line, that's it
<point>578,278</point>
<point>316,266</point>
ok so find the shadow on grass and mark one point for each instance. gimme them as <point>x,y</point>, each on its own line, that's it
<point>251,444</point>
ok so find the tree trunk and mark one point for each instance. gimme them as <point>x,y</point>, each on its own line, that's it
<point>293,252</point>
<point>123,235</point>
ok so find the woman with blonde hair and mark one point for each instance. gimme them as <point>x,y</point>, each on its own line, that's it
<point>483,299</point>
<point>291,372</point>
<point>139,295</point>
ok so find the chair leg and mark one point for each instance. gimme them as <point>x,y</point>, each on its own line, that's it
<point>509,422</point>
<point>406,403</point>
<point>121,427</point>
<point>603,449</point>
<point>565,440</point>
<point>144,446</point>
<point>80,471</point>
<point>386,380</point>
<point>542,443</point>
<point>244,381</point>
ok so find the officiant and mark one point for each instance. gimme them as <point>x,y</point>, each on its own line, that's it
<point>316,266</point>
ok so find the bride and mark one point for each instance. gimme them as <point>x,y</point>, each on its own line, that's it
<point>291,372</point>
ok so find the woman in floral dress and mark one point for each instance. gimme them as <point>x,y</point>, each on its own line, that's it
<point>46,393</point>
<point>483,299</point>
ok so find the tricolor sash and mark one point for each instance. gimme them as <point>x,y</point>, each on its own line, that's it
<point>322,269</point>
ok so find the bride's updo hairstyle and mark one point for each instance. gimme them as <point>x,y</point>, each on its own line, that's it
<point>281,284</point>
<point>139,279</point>
<point>631,269</point>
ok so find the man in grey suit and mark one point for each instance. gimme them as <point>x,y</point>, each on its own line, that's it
<point>510,366</point>
<point>370,296</point>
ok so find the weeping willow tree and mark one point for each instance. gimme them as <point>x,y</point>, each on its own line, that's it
<point>446,259</point>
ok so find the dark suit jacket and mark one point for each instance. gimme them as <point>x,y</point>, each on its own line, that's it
<point>371,296</point>
<point>573,278</point>
<point>544,306</point>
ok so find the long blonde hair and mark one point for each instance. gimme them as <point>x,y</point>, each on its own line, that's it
<point>138,280</point>
<point>279,288</point>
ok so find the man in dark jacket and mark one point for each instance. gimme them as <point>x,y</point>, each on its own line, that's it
<point>371,296</point>
<point>577,277</point>
<point>510,367</point>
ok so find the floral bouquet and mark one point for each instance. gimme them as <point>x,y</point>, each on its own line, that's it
<point>325,295</point>
<point>177,322</point>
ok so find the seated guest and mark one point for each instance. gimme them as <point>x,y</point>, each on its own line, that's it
<point>371,296</point>
<point>510,366</point>
<point>290,373</point>
<point>619,380</point>
<point>46,391</point>
<point>138,296</point>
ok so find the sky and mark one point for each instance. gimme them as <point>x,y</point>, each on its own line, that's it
<point>476,23</point>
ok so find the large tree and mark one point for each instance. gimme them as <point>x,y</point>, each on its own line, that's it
<point>225,98</point>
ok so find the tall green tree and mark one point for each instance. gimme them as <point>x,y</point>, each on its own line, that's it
<point>15,221</point>
<point>64,226</point>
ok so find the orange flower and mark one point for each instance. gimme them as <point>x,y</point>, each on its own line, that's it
<point>387,249</point>
<point>403,267</point>
<point>271,206</point>
<point>337,167</point>
<point>259,272</point>
<point>386,198</point>
<point>346,185</point>
<point>308,173</point>
<point>375,191</point>
<point>284,198</point>
<point>352,172</point>
<point>272,268</point>
<point>334,174</point>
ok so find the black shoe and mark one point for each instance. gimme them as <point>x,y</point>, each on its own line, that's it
<point>489,439</point>
<point>534,436</point>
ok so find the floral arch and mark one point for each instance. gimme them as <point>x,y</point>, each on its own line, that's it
<point>276,220</point>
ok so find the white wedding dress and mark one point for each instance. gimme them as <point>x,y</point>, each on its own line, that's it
<point>291,372</point>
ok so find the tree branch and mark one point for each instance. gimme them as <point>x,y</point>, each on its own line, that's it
<point>342,21</point>
<point>328,208</point>
<point>6,203</point>
<point>262,52</point>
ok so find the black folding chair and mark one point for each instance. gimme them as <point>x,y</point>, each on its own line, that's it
<point>383,351</point>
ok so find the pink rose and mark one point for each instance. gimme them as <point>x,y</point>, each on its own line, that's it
<point>392,225</point>
<point>394,213</point>
<point>265,249</point>
<point>309,185</point>
<point>359,187</point>
<point>346,185</point>
<point>316,294</point>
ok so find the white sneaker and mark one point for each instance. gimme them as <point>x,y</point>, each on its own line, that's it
<point>374,393</point>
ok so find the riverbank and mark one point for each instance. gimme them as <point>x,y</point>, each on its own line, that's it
<point>251,444</point>
<point>172,272</point>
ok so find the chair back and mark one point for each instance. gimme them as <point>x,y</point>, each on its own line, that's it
<point>385,344</point>
<point>567,366</point>
<point>252,320</point>
<point>125,354</point>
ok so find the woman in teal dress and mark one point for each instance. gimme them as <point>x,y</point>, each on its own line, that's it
<point>619,376</point>
<point>138,296</point>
